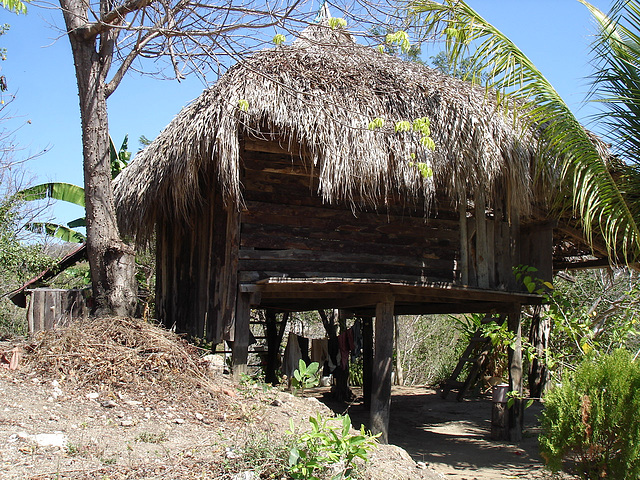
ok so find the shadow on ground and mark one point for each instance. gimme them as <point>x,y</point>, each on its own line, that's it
<point>454,437</point>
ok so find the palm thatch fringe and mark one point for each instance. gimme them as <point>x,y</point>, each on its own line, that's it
<point>321,93</point>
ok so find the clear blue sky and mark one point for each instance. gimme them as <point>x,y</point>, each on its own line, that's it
<point>555,34</point>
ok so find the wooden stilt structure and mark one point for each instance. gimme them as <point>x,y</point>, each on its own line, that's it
<point>382,368</point>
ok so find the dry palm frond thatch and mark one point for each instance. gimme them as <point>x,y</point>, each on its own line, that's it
<point>321,93</point>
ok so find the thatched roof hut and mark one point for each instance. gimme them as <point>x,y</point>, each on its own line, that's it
<point>271,191</point>
<point>320,94</point>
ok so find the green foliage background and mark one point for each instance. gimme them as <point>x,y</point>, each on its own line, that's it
<point>592,419</point>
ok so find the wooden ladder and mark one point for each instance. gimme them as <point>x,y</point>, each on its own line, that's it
<point>475,355</point>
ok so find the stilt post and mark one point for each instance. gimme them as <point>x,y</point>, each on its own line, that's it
<point>240,348</point>
<point>367,359</point>
<point>516,412</point>
<point>382,367</point>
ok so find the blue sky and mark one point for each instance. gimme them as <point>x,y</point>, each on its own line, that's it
<point>555,34</point>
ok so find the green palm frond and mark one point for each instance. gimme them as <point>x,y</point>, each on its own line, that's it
<point>616,80</point>
<point>66,192</point>
<point>600,195</point>
<point>78,222</point>
<point>55,230</point>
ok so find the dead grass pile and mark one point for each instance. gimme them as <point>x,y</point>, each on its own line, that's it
<point>119,353</point>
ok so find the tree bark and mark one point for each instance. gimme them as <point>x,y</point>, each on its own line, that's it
<point>112,262</point>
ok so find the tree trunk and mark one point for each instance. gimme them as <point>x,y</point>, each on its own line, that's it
<point>112,262</point>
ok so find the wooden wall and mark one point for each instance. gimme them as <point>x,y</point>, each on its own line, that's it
<point>50,308</point>
<point>283,229</point>
<point>197,264</point>
<point>287,231</point>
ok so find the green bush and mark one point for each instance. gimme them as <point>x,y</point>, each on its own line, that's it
<point>328,450</point>
<point>591,421</point>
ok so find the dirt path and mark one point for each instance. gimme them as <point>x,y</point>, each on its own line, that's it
<point>453,437</point>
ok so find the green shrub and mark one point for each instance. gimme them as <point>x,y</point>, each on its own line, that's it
<point>328,450</point>
<point>592,419</point>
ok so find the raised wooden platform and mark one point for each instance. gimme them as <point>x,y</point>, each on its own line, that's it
<point>361,296</point>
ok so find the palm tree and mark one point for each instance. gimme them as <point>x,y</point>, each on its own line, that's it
<point>605,188</point>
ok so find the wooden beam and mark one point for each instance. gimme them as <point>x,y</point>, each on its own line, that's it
<point>273,347</point>
<point>367,359</point>
<point>464,243</point>
<point>339,288</point>
<point>482,242</point>
<point>516,412</point>
<point>382,367</point>
<point>240,348</point>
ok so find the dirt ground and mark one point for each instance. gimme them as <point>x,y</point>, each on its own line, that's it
<point>125,400</point>
<point>129,401</point>
<point>453,438</point>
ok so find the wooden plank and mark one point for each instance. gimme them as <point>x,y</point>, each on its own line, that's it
<point>50,311</point>
<point>431,242</point>
<point>516,412</point>
<point>255,276</point>
<point>382,368</point>
<point>262,212</point>
<point>421,248</point>
<point>240,348</point>
<point>308,256</point>
<point>464,244</point>
<point>539,251</point>
<point>491,258</point>
<point>367,359</point>
<point>421,292</point>
<point>482,245</point>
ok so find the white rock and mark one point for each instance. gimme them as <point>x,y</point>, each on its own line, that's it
<point>51,440</point>
<point>93,395</point>
<point>248,475</point>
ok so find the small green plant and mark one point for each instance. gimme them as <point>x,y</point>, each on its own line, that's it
<point>329,447</point>
<point>516,395</point>
<point>73,450</point>
<point>305,376</point>
<point>533,284</point>
<point>149,437</point>
<point>592,419</point>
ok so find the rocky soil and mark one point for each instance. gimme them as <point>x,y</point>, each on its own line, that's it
<point>123,399</point>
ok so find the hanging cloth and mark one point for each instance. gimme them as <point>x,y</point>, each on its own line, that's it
<point>292,355</point>
<point>320,350</point>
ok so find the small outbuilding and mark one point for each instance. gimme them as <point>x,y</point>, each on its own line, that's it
<point>293,184</point>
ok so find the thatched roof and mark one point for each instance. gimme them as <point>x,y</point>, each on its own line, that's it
<point>321,92</point>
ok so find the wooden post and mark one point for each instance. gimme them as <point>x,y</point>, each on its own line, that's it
<point>482,245</point>
<point>367,359</point>
<point>382,367</point>
<point>273,347</point>
<point>240,348</point>
<point>539,337</point>
<point>398,366</point>
<point>516,412</point>
<point>464,243</point>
